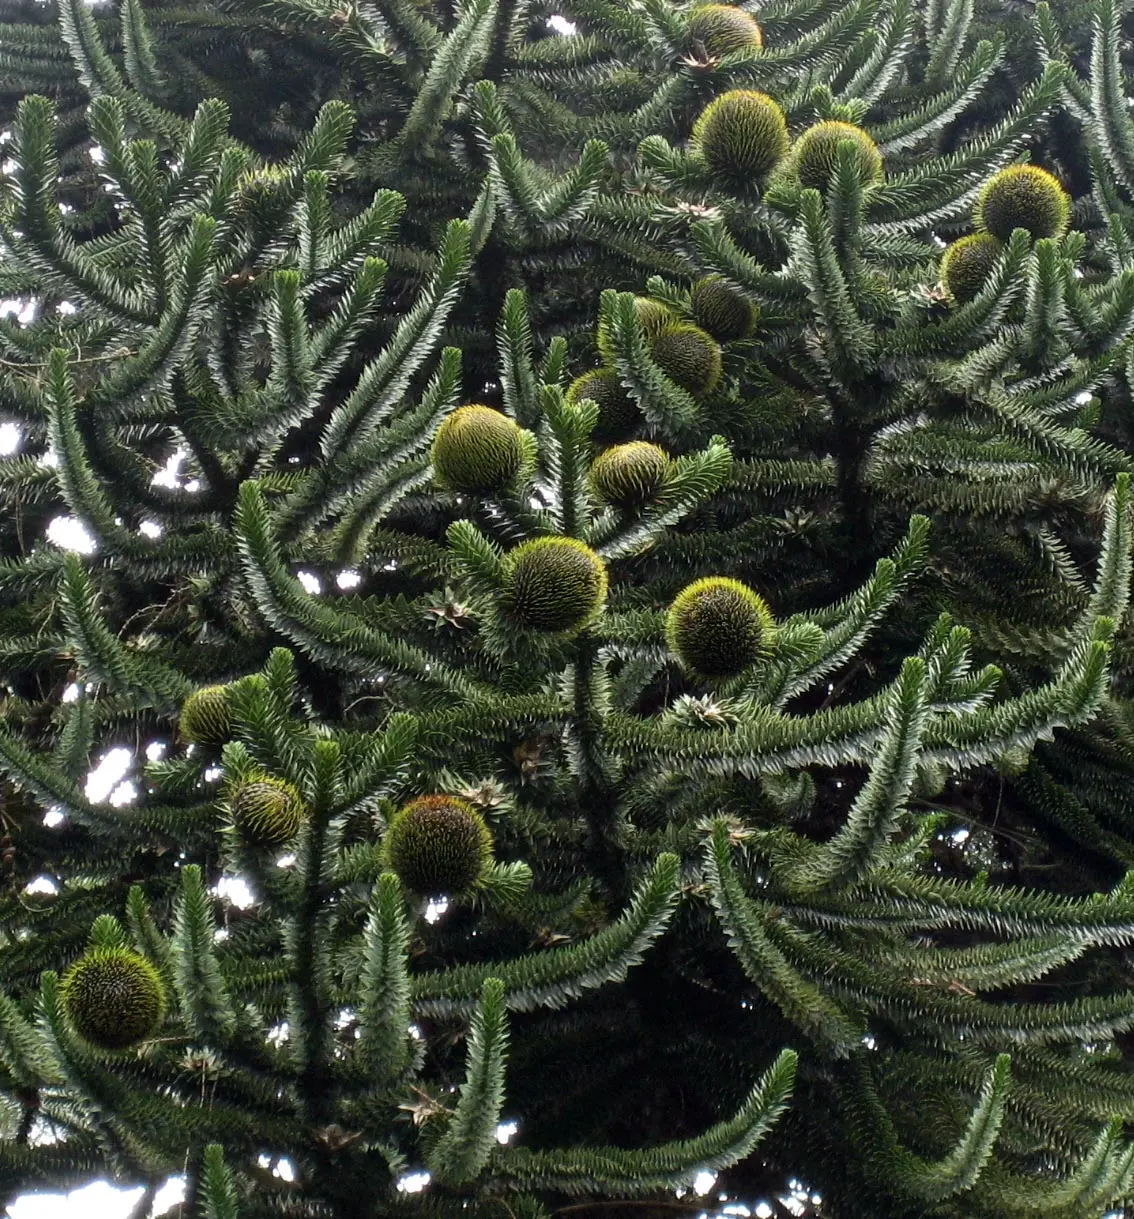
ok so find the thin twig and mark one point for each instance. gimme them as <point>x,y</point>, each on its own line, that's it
<point>120,354</point>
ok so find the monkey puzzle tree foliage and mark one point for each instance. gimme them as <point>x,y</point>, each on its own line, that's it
<point>612,788</point>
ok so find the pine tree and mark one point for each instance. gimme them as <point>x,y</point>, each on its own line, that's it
<point>606,787</point>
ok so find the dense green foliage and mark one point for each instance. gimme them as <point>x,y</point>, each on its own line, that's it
<point>753,801</point>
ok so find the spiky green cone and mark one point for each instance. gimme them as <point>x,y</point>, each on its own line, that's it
<point>477,450</point>
<point>266,811</point>
<point>689,357</point>
<point>815,156</point>
<point>629,475</point>
<point>967,264</point>
<point>438,845</point>
<point>723,29</point>
<point>206,717</point>
<point>741,136</point>
<point>115,998</point>
<point>721,311</point>
<point>654,317</point>
<point>1023,197</point>
<point>718,627</point>
<point>619,416</point>
<point>555,585</point>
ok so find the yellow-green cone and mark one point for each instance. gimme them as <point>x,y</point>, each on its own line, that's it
<point>654,317</point>
<point>477,450</point>
<point>438,845</point>
<point>206,718</point>
<point>721,311</point>
<point>718,627</point>
<point>723,29</point>
<point>266,810</point>
<point>629,475</point>
<point>1023,197</point>
<point>741,136</point>
<point>115,998</point>
<point>619,416</point>
<point>815,156</point>
<point>689,357</point>
<point>554,585</point>
<point>967,264</point>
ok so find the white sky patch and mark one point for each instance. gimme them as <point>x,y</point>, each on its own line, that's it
<point>507,1131</point>
<point>72,693</point>
<point>68,533</point>
<point>124,793</point>
<point>11,437</point>
<point>99,1200</point>
<point>151,529</point>
<point>50,459</point>
<point>54,817</point>
<point>348,579</point>
<point>109,772</point>
<point>312,585</point>
<point>286,861</point>
<point>235,890</point>
<point>561,25</point>
<point>42,884</point>
<point>703,1182</point>
<point>436,908</point>
<point>413,1182</point>
<point>155,750</point>
<point>170,474</point>
<point>22,311</point>
<point>67,308</point>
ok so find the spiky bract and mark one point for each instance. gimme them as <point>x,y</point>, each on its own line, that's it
<point>477,450</point>
<point>967,264</point>
<point>114,997</point>
<point>1023,197</point>
<point>689,357</point>
<point>722,311</point>
<point>718,627</point>
<point>654,317</point>
<point>438,845</point>
<point>266,810</point>
<point>206,717</point>
<point>619,416</point>
<point>741,136</point>
<point>629,475</point>
<point>554,584</point>
<point>723,29</point>
<point>816,152</point>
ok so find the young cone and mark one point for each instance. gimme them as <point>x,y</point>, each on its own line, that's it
<point>114,997</point>
<point>718,627</point>
<point>723,29</point>
<point>1023,197</point>
<point>477,450</point>
<point>741,136</point>
<point>554,585</point>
